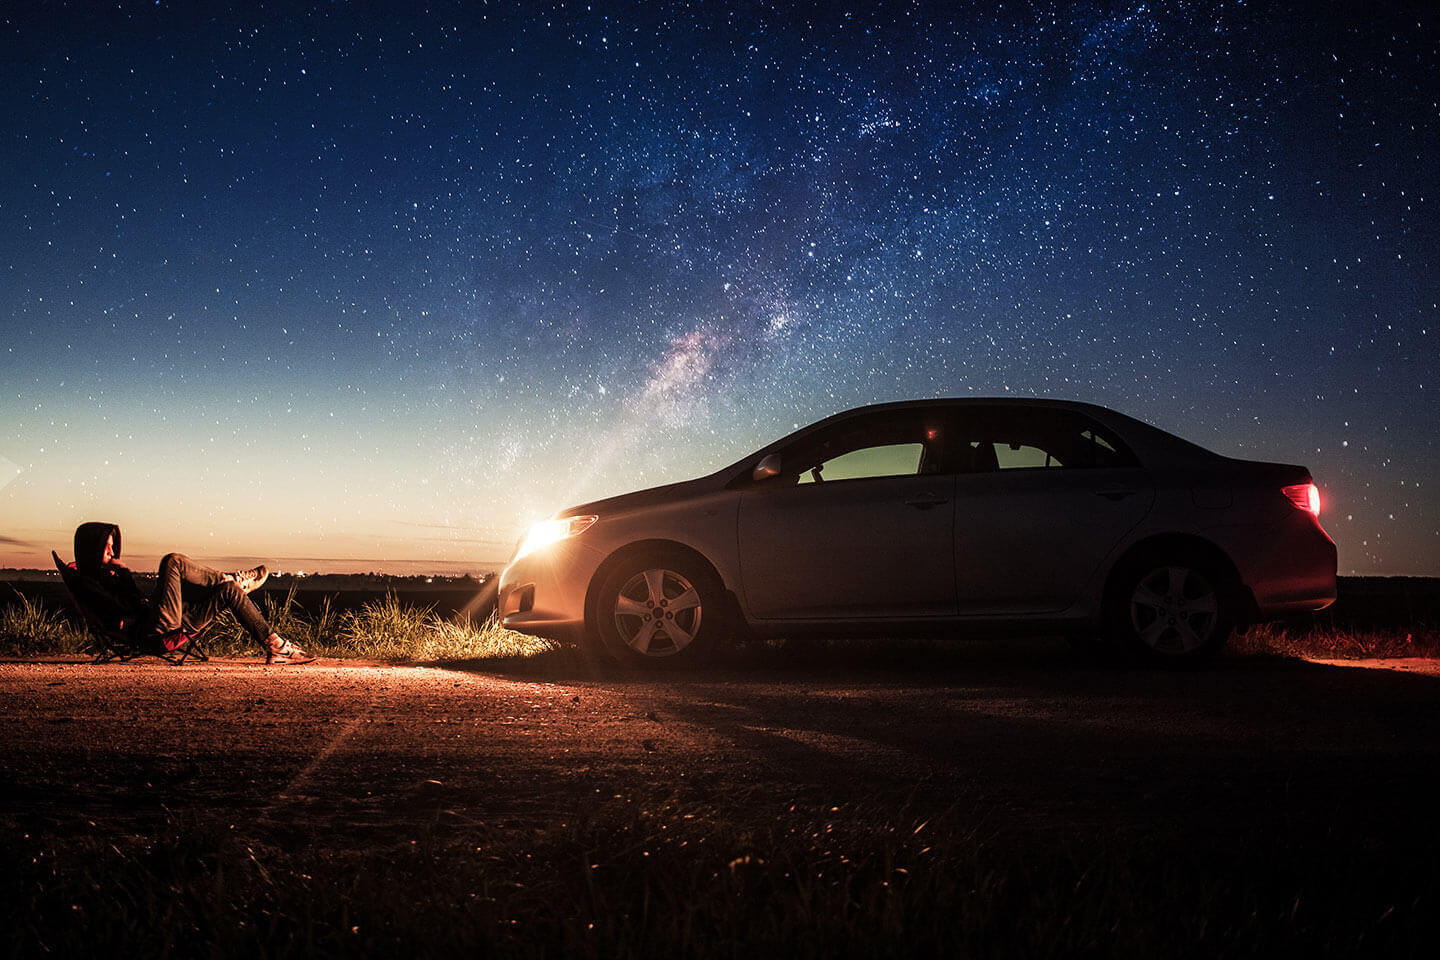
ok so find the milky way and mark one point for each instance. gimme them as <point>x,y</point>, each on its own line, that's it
<point>358,281</point>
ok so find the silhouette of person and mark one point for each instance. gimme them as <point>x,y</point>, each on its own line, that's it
<point>188,595</point>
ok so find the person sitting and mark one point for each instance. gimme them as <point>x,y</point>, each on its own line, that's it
<point>188,595</point>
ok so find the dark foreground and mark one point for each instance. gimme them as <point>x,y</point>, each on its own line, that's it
<point>989,799</point>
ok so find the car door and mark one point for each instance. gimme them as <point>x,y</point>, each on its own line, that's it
<point>1045,496</point>
<point>858,524</point>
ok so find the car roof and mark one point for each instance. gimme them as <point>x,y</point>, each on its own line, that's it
<point>1149,442</point>
<point>1044,402</point>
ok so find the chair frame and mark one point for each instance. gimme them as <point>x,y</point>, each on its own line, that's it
<point>112,644</point>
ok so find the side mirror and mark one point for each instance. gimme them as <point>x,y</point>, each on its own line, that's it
<point>766,468</point>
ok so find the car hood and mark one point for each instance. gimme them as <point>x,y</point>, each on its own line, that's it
<point>625,502</point>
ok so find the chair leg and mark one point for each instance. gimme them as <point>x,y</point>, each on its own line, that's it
<point>113,654</point>
<point>193,649</point>
<point>178,656</point>
<point>108,650</point>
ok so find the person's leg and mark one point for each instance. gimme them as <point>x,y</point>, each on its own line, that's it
<point>207,604</point>
<point>177,570</point>
<point>189,595</point>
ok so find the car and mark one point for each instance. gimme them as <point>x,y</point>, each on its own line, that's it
<point>944,516</point>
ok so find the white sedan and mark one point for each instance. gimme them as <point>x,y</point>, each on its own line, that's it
<point>938,516</point>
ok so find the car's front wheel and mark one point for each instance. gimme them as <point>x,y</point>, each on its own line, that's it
<point>1173,609</point>
<point>659,608</point>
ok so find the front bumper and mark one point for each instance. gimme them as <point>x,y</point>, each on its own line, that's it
<point>543,593</point>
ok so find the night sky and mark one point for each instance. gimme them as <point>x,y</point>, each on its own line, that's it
<point>373,283</point>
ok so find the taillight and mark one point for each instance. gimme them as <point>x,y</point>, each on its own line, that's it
<point>1305,496</point>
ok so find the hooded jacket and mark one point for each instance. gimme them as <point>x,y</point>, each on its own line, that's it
<point>127,603</point>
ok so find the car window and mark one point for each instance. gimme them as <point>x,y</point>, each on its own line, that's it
<point>891,444</point>
<point>1107,453</point>
<point>1031,439</point>
<point>886,460</point>
<point>1022,456</point>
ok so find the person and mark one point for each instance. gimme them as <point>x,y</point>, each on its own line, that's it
<point>188,595</point>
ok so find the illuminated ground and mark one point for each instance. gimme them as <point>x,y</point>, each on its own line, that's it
<point>1030,735</point>
<point>1023,740</point>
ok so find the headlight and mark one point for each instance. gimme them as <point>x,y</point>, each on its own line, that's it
<point>552,531</point>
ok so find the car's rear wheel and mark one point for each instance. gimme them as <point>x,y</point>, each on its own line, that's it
<point>1174,609</point>
<point>660,608</point>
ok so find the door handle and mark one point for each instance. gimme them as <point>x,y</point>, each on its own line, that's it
<point>925,503</point>
<point>1115,494</point>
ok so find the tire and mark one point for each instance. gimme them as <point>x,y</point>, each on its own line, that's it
<point>660,608</point>
<point>1175,608</point>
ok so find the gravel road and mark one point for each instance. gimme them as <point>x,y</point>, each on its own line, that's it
<point>1022,734</point>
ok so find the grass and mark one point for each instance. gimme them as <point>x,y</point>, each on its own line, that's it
<point>386,629</point>
<point>380,629</point>
<point>28,628</point>
<point>622,880</point>
<point>1337,641</point>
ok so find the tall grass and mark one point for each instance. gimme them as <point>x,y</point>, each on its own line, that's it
<point>27,628</point>
<point>1338,642</point>
<point>381,629</point>
<point>387,629</point>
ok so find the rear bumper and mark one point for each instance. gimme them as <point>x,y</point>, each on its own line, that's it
<point>1293,570</point>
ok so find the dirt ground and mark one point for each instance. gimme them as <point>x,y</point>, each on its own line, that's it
<point>1023,734</point>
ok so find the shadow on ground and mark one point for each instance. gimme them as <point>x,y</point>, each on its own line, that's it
<point>922,662</point>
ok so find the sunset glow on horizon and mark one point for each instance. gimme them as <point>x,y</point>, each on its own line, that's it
<point>333,288</point>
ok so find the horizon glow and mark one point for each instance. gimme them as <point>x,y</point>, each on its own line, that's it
<point>380,290</point>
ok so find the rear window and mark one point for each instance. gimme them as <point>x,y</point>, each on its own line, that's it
<point>1036,439</point>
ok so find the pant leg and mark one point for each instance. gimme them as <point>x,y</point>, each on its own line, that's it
<point>176,570</point>
<point>205,603</point>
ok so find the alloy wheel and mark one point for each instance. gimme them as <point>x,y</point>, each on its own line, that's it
<point>1174,609</point>
<point>657,612</point>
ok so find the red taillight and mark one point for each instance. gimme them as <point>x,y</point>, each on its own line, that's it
<point>1305,496</point>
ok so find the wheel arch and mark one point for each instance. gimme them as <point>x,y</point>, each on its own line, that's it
<point>636,548</point>
<point>1171,544</point>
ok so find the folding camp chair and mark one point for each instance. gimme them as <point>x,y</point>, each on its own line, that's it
<point>99,613</point>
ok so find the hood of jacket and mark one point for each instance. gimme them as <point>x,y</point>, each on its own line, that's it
<point>90,545</point>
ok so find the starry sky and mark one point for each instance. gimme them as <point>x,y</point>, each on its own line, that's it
<point>373,286</point>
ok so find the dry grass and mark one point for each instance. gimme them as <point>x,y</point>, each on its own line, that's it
<point>1337,641</point>
<point>28,628</point>
<point>381,629</point>
<point>387,629</point>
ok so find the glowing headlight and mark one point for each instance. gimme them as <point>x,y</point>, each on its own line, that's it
<point>552,531</point>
